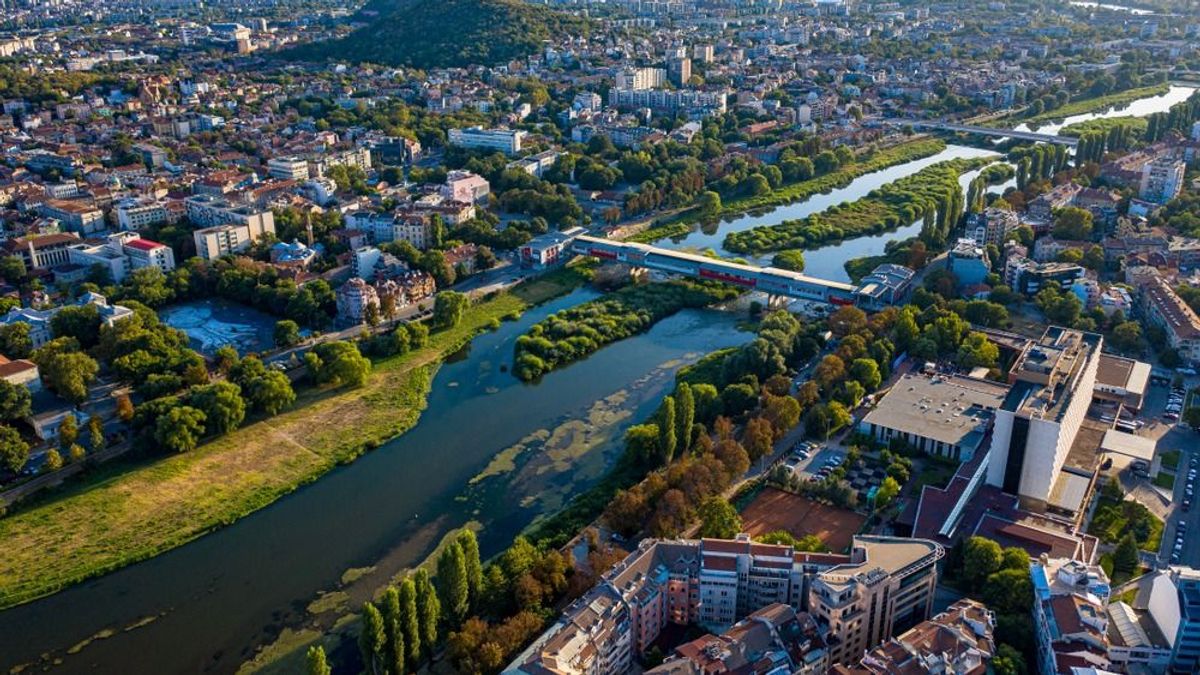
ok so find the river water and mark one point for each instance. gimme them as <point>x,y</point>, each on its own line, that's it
<point>488,448</point>
<point>1139,108</point>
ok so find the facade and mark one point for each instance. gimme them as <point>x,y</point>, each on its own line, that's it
<point>1162,307</point>
<point>42,251</point>
<point>886,285</point>
<point>1162,179</point>
<point>1175,606</point>
<point>968,262</point>
<point>695,103</point>
<point>1052,383</point>
<point>992,226</point>
<point>941,415</point>
<point>288,168</point>
<point>549,249</point>
<point>1028,277</point>
<point>679,71</point>
<point>78,216</point>
<point>464,186</point>
<point>354,300</point>
<point>505,140</point>
<point>718,583</point>
<point>641,78</point>
<point>956,642</point>
<point>136,214</point>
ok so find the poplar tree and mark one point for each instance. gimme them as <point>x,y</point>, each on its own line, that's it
<point>429,610</point>
<point>666,430</point>
<point>372,640</point>
<point>315,660</point>
<point>410,622</point>
<point>395,655</point>
<point>452,586</point>
<point>470,549</point>
<point>685,416</point>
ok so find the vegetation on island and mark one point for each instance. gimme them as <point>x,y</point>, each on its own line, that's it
<point>572,334</point>
<point>1092,104</point>
<point>446,33</point>
<point>932,193</point>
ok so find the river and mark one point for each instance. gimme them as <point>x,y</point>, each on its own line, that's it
<point>488,448</point>
<point>1115,8</point>
<point>1139,108</point>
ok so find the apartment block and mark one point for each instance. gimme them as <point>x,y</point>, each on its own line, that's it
<point>641,78</point>
<point>288,168</point>
<point>77,215</point>
<point>1162,179</point>
<point>959,641</point>
<point>1071,624</point>
<point>856,600</point>
<point>773,639</point>
<point>464,186</point>
<point>226,228</point>
<point>992,226</point>
<point>1026,276</point>
<point>136,214</point>
<point>505,140</point>
<point>1162,307</point>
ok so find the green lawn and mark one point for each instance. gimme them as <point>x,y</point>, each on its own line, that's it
<point>1165,480</point>
<point>1169,459</point>
<point>1114,518</point>
<point>117,515</point>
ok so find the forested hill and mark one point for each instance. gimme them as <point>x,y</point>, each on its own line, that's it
<point>443,33</point>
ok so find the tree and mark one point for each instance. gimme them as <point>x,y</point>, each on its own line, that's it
<point>718,519</point>
<point>14,451</point>
<point>429,609</point>
<point>315,663</point>
<point>76,453</point>
<point>287,333</point>
<point>96,433</point>
<point>981,558</point>
<point>180,429</point>
<point>67,370</point>
<point>340,362</point>
<point>866,372</point>
<point>470,548</point>
<point>410,622</point>
<point>977,350</point>
<point>394,653</point>
<point>758,438</point>
<point>1127,336</point>
<point>888,490</point>
<point>791,259</point>
<point>372,641</point>
<point>15,342</point>
<point>452,585</point>
<point>709,203</point>
<point>641,442</point>
<point>667,440</point>
<point>1008,661</point>
<point>221,404</point>
<point>783,412</point>
<point>1073,223</point>
<point>1125,557</point>
<point>124,408</point>
<point>829,372</point>
<point>270,393</point>
<point>685,416</point>
<point>81,322</point>
<point>15,401</point>
<point>448,308</point>
<point>68,431</point>
<point>12,268</point>
<point>54,460</point>
<point>1191,417</point>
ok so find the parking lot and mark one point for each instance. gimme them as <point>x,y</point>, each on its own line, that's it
<point>809,460</point>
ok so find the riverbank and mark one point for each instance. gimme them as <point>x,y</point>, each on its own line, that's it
<point>1096,104</point>
<point>894,205</point>
<point>116,517</point>
<point>786,194</point>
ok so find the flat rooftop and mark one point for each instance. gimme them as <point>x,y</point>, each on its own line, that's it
<point>947,409</point>
<point>1047,373</point>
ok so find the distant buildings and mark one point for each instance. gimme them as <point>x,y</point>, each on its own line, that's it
<point>122,253</point>
<point>692,102</point>
<point>640,78</point>
<point>716,583</point>
<point>1162,307</point>
<point>40,329</point>
<point>505,140</point>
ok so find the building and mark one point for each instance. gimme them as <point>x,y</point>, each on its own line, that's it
<point>1162,307</point>
<point>40,327</point>
<point>992,226</point>
<point>775,638</point>
<point>670,582</point>
<point>355,299</point>
<point>1028,277</point>
<point>505,140</point>
<point>885,286</point>
<point>693,102</point>
<point>1122,380</point>
<point>956,642</point>
<point>679,71</point>
<point>77,215</point>
<point>703,53</point>
<point>641,78</point>
<point>464,186</point>
<point>226,228</point>
<point>887,587</point>
<point>1070,621</point>
<point>944,415</point>
<point>42,251</point>
<point>22,372</point>
<point>1051,388</point>
<point>1174,605</point>
<point>536,165</point>
<point>136,214</point>
<point>288,168</point>
<point>1162,179</point>
<point>968,262</point>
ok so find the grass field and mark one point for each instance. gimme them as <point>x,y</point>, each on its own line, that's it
<point>117,515</point>
<point>1165,481</point>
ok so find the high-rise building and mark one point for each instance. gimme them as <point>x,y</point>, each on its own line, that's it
<point>703,53</point>
<point>1052,383</point>
<point>640,78</point>
<point>288,168</point>
<point>225,227</point>
<point>1162,179</point>
<point>680,71</point>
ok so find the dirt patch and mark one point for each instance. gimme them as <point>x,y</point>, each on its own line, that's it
<point>775,509</point>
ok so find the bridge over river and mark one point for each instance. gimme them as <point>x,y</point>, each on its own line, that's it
<point>986,131</point>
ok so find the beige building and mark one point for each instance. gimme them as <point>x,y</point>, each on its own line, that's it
<point>226,228</point>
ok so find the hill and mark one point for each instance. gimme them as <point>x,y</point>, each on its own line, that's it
<point>446,33</point>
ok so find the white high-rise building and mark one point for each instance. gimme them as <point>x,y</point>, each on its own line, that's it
<point>1162,180</point>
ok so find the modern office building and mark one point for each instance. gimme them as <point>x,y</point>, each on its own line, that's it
<point>288,168</point>
<point>505,140</point>
<point>1026,276</point>
<point>945,415</point>
<point>1052,382</point>
<point>135,214</point>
